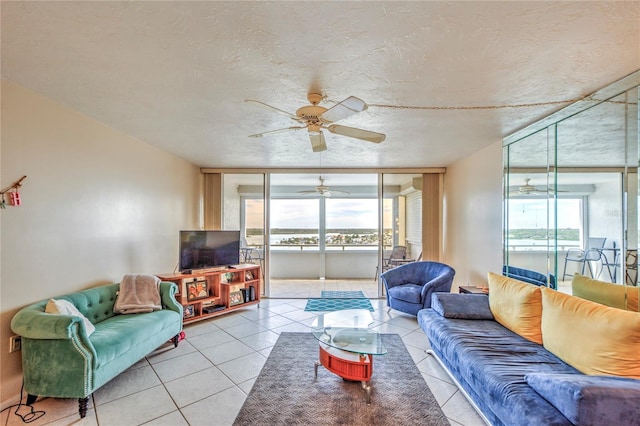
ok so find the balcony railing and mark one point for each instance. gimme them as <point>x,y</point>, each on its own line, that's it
<point>328,247</point>
<point>541,247</point>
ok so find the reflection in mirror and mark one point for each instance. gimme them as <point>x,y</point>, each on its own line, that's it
<point>571,194</point>
<point>527,219</point>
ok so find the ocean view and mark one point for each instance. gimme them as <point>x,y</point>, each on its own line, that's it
<point>347,239</point>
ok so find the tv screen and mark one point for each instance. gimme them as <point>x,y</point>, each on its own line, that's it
<point>208,249</point>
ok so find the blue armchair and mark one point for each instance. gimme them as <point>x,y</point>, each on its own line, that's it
<point>409,287</point>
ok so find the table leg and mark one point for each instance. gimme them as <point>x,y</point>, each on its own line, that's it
<point>367,389</point>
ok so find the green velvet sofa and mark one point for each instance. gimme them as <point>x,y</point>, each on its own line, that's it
<point>60,360</point>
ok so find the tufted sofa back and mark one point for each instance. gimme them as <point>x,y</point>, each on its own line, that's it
<point>95,303</point>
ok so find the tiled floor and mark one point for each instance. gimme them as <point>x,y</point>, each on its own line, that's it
<point>207,378</point>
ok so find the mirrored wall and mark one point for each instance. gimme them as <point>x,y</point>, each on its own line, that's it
<point>571,191</point>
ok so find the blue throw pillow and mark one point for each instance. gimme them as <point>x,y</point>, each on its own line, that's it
<point>590,400</point>
<point>462,306</point>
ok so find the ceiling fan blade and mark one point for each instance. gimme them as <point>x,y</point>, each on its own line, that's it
<point>272,108</point>
<point>352,132</point>
<point>317,142</point>
<point>344,109</point>
<point>272,132</point>
<point>311,191</point>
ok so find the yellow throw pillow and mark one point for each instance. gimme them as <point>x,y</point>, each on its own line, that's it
<point>614,295</point>
<point>595,339</point>
<point>516,305</point>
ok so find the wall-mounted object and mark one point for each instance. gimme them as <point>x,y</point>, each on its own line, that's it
<point>14,195</point>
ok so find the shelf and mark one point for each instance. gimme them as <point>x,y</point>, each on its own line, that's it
<point>220,292</point>
<point>218,313</point>
<point>201,301</point>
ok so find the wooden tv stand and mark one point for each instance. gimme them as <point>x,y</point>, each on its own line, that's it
<point>207,294</point>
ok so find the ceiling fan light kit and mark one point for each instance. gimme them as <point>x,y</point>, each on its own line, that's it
<point>318,143</point>
<point>314,118</point>
<point>322,190</point>
<point>528,189</point>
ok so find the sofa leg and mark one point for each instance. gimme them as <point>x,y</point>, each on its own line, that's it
<point>31,399</point>
<point>175,339</point>
<point>82,406</point>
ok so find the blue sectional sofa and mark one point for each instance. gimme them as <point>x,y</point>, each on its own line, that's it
<point>62,359</point>
<point>515,381</point>
<point>529,276</point>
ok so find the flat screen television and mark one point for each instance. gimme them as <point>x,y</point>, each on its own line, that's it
<point>208,249</point>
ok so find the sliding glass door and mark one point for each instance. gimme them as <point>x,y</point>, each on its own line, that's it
<point>325,227</point>
<point>243,208</point>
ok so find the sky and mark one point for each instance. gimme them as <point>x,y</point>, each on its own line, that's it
<point>304,213</point>
<point>362,213</point>
<point>532,213</point>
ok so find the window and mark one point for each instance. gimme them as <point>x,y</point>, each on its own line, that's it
<point>302,220</point>
<point>351,224</point>
<point>295,224</point>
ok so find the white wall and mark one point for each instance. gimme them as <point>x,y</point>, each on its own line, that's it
<point>313,265</point>
<point>97,204</point>
<point>605,212</point>
<point>473,216</point>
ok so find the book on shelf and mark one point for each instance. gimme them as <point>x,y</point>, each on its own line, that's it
<point>212,308</point>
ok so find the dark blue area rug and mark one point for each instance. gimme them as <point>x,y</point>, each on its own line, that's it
<point>326,294</point>
<point>334,304</point>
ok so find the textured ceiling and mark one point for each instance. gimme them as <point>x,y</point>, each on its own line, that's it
<point>175,74</point>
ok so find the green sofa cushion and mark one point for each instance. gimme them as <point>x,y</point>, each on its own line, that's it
<point>119,334</point>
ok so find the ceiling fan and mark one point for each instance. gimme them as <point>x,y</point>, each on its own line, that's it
<point>528,189</point>
<point>314,118</point>
<point>322,189</point>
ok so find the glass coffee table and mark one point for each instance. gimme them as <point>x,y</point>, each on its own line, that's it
<point>347,345</point>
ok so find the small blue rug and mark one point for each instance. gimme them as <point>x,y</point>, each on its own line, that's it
<point>326,294</point>
<point>333,304</point>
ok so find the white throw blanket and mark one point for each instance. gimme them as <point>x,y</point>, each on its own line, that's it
<point>138,294</point>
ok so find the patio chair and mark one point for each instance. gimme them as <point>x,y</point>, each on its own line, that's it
<point>631,261</point>
<point>397,254</point>
<point>591,253</point>
<point>250,254</point>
